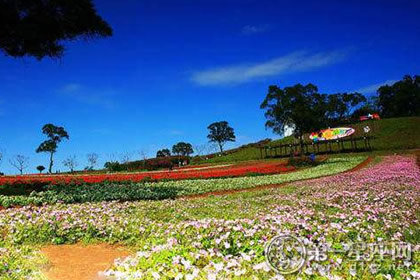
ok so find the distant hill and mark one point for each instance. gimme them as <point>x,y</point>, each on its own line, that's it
<point>390,135</point>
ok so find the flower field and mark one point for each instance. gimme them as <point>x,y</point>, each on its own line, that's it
<point>224,237</point>
<point>108,191</point>
<point>257,168</point>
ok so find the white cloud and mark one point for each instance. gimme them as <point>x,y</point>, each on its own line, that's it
<point>253,29</point>
<point>79,93</point>
<point>373,88</point>
<point>175,132</point>
<point>242,73</point>
<point>72,87</point>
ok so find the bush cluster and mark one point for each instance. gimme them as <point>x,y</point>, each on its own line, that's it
<point>149,164</point>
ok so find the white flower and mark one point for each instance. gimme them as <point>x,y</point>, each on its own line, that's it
<point>155,275</point>
<point>218,266</point>
<point>246,257</point>
<point>211,276</point>
<point>415,274</point>
<point>189,277</point>
<point>262,265</point>
<point>277,277</point>
<point>352,271</point>
<point>186,263</point>
<point>240,272</point>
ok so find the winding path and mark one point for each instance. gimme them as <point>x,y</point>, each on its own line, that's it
<point>78,262</point>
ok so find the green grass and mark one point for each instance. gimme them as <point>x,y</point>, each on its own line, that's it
<point>391,135</point>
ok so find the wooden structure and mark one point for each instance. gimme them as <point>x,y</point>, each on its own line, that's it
<point>343,145</point>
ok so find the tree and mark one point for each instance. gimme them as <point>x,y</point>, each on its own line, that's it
<point>220,133</point>
<point>70,163</point>
<point>40,168</point>
<point>298,106</point>
<point>199,149</point>
<point>55,135</point>
<point>20,162</point>
<point>182,149</point>
<point>305,109</point>
<point>39,27</point>
<point>212,148</point>
<point>370,106</point>
<point>402,99</point>
<point>339,105</point>
<point>143,155</point>
<point>125,158</point>
<point>163,153</point>
<point>92,159</point>
<point>113,166</point>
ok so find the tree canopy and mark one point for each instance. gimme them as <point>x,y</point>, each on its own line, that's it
<point>38,27</point>
<point>305,109</point>
<point>182,149</point>
<point>220,133</point>
<point>163,153</point>
<point>402,99</point>
<point>40,168</point>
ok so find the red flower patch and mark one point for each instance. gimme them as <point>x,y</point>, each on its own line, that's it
<point>193,172</point>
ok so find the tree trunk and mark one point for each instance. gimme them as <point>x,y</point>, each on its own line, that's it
<point>51,163</point>
<point>301,145</point>
<point>221,148</point>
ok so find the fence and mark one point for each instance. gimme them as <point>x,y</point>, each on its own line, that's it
<point>344,145</point>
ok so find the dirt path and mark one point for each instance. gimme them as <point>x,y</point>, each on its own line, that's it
<point>361,165</point>
<point>79,262</point>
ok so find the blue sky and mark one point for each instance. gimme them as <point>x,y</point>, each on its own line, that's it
<point>173,67</point>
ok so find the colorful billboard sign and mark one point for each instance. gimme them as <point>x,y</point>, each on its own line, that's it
<point>331,133</point>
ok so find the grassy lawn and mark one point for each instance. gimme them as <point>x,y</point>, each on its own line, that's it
<point>390,135</point>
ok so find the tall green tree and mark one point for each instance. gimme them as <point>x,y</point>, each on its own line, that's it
<point>182,149</point>
<point>402,99</point>
<point>220,133</point>
<point>55,135</point>
<point>38,28</point>
<point>299,106</point>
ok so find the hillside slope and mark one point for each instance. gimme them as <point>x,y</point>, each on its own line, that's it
<point>390,135</point>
